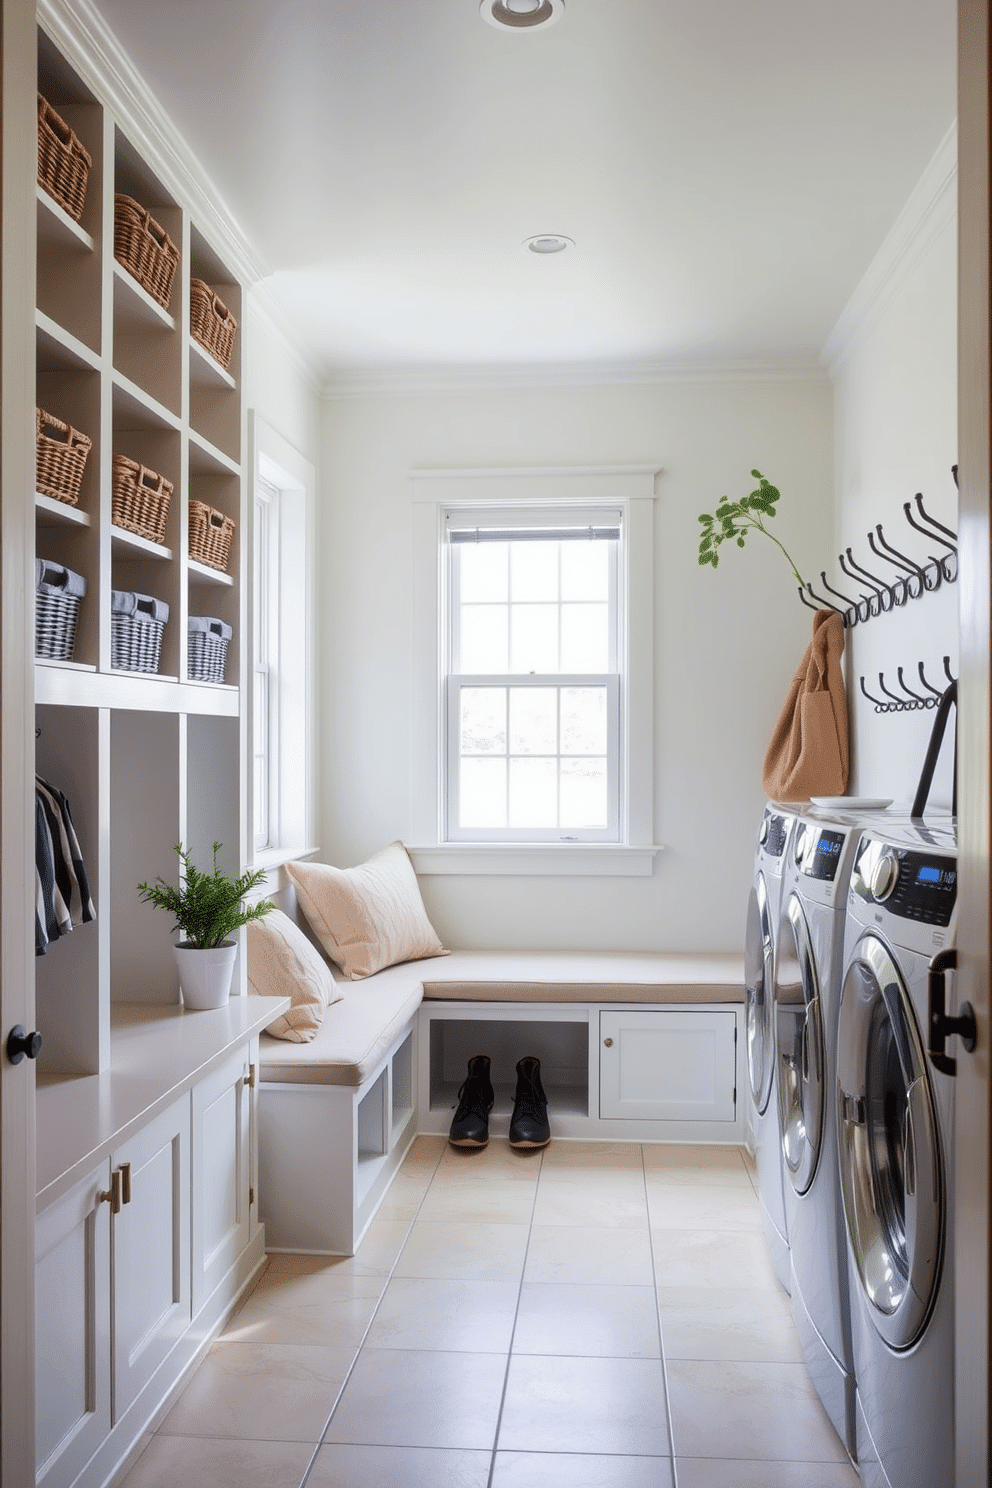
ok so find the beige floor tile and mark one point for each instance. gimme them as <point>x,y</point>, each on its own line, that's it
<point>301,1307</point>
<point>567,1470</point>
<point>173,1460</point>
<point>697,1166</point>
<point>498,1160</point>
<point>405,1195</point>
<point>603,1205</point>
<point>599,1157</point>
<point>585,1405</point>
<point>338,1275</point>
<point>713,1258</point>
<point>748,1411</point>
<point>697,1472</point>
<point>607,1321</point>
<point>434,1400</point>
<point>260,1392</point>
<point>467,1252</point>
<point>718,1323</point>
<point>702,1207</point>
<point>499,1201</point>
<point>424,1152</point>
<point>467,1316</point>
<point>342,1466</point>
<point>571,1253</point>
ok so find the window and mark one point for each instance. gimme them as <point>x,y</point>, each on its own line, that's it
<point>281,710</point>
<point>533,742</point>
<point>533,671</point>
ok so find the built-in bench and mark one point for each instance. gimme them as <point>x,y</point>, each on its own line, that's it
<point>635,1046</point>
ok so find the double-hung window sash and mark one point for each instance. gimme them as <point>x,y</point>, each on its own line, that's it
<point>533,702</point>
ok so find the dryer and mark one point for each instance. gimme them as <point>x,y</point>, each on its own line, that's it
<point>894,1134</point>
<point>808,970</point>
<point>761,929</point>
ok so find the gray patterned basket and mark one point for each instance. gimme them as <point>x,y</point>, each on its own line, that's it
<point>58,594</point>
<point>136,625</point>
<point>208,638</point>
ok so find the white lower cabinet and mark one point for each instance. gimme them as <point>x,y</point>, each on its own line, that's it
<point>222,1178</point>
<point>673,1066</point>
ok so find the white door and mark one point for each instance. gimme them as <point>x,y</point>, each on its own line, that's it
<point>72,1341</point>
<point>150,1290</point>
<point>668,1066</point>
<point>221,1174</point>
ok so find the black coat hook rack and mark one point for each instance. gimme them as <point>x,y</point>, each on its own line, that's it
<point>908,701</point>
<point>913,580</point>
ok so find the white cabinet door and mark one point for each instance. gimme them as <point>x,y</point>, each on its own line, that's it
<point>668,1066</point>
<point>72,1330</point>
<point>221,1174</point>
<point>151,1251</point>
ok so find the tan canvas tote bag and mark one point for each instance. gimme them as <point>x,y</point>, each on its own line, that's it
<point>809,754</point>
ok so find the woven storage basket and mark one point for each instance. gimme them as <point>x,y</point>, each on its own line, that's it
<point>58,594</point>
<point>60,457</point>
<point>63,162</point>
<point>136,625</point>
<point>208,639</point>
<point>211,323</point>
<point>140,499</point>
<point>210,534</point>
<point>144,248</point>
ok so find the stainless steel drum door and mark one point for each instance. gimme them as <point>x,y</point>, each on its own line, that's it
<point>799,1047</point>
<point>758,997</point>
<point>891,1166</point>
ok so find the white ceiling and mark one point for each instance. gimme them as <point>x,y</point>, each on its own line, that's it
<point>727,168</point>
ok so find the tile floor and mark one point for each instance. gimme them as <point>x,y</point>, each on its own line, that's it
<point>599,1315</point>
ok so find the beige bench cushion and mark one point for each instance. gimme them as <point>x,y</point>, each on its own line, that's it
<point>585,976</point>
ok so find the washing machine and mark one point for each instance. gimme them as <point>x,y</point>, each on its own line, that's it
<point>764,903</point>
<point>894,1138</point>
<point>808,971</point>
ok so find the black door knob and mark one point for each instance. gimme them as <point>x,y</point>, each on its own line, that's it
<point>20,1042</point>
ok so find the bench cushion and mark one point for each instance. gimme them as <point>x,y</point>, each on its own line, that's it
<point>585,976</point>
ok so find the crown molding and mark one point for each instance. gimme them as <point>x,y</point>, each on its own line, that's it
<point>931,208</point>
<point>84,38</point>
<point>377,382</point>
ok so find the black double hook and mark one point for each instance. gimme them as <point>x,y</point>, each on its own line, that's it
<point>914,580</point>
<point>909,702</point>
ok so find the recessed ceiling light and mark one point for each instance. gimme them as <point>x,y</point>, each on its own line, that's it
<point>521,15</point>
<point>548,243</point>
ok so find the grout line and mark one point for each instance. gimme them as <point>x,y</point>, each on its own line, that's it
<point>661,1339</point>
<point>513,1331</point>
<point>375,1313</point>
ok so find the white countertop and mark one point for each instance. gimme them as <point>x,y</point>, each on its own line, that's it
<point>158,1054</point>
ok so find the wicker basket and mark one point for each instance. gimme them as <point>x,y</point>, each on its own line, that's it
<point>144,248</point>
<point>58,594</point>
<point>208,639</point>
<point>210,534</point>
<point>63,162</point>
<point>136,625</point>
<point>211,323</point>
<point>60,457</point>
<point>140,499</point>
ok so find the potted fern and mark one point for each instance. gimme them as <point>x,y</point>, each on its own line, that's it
<point>207,908</point>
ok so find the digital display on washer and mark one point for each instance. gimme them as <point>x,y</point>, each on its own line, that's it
<point>822,863</point>
<point>926,888</point>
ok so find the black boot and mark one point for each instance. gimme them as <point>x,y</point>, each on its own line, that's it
<point>470,1126</point>
<point>529,1122</point>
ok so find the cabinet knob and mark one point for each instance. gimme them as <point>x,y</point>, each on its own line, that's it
<point>114,1195</point>
<point>20,1042</point>
<point>608,1043</point>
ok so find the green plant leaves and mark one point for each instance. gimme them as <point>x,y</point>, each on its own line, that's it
<point>733,520</point>
<point>206,907</point>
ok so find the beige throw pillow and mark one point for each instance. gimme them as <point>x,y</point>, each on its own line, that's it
<point>367,917</point>
<point>283,963</point>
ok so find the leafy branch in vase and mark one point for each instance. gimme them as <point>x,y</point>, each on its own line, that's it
<point>735,519</point>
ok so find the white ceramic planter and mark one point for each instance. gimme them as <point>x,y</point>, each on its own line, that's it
<point>205,976</point>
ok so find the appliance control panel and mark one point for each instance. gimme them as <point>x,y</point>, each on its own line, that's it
<point>913,885</point>
<point>821,853</point>
<point>773,833</point>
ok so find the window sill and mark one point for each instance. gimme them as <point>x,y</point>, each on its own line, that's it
<point>551,860</point>
<point>270,858</point>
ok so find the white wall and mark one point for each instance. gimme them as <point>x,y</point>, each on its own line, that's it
<point>896,431</point>
<point>278,385</point>
<point>726,645</point>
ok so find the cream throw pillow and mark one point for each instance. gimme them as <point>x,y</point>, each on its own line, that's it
<point>367,917</point>
<point>283,963</point>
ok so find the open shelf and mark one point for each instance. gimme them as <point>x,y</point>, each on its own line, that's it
<point>206,459</point>
<point>202,573</point>
<point>203,369</point>
<point>58,513</point>
<point>57,231</point>
<point>59,348</point>
<point>134,308</point>
<point>122,541</point>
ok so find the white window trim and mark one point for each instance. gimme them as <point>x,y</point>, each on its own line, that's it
<point>630,487</point>
<point>292,813</point>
